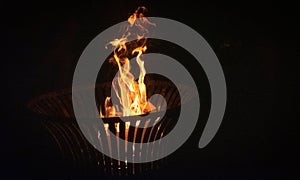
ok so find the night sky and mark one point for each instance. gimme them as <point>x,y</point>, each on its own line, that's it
<point>257,45</point>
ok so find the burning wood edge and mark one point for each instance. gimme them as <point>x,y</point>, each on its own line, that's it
<point>112,110</point>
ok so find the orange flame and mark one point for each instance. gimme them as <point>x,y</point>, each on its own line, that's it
<point>132,94</point>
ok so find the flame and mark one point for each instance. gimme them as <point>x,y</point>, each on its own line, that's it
<point>132,94</point>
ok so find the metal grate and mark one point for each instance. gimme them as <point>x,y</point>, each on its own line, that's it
<point>55,108</point>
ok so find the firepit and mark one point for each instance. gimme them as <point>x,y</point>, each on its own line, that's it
<point>55,109</point>
<point>124,118</point>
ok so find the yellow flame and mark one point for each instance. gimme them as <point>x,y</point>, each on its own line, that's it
<point>132,94</point>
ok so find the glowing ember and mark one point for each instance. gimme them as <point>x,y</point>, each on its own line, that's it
<point>132,94</point>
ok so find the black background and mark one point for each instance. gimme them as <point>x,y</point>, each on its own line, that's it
<point>256,43</point>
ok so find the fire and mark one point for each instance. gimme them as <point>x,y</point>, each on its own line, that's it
<point>132,94</point>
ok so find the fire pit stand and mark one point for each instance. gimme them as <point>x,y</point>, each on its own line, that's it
<point>56,111</point>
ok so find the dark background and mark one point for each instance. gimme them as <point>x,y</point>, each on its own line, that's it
<point>256,43</point>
